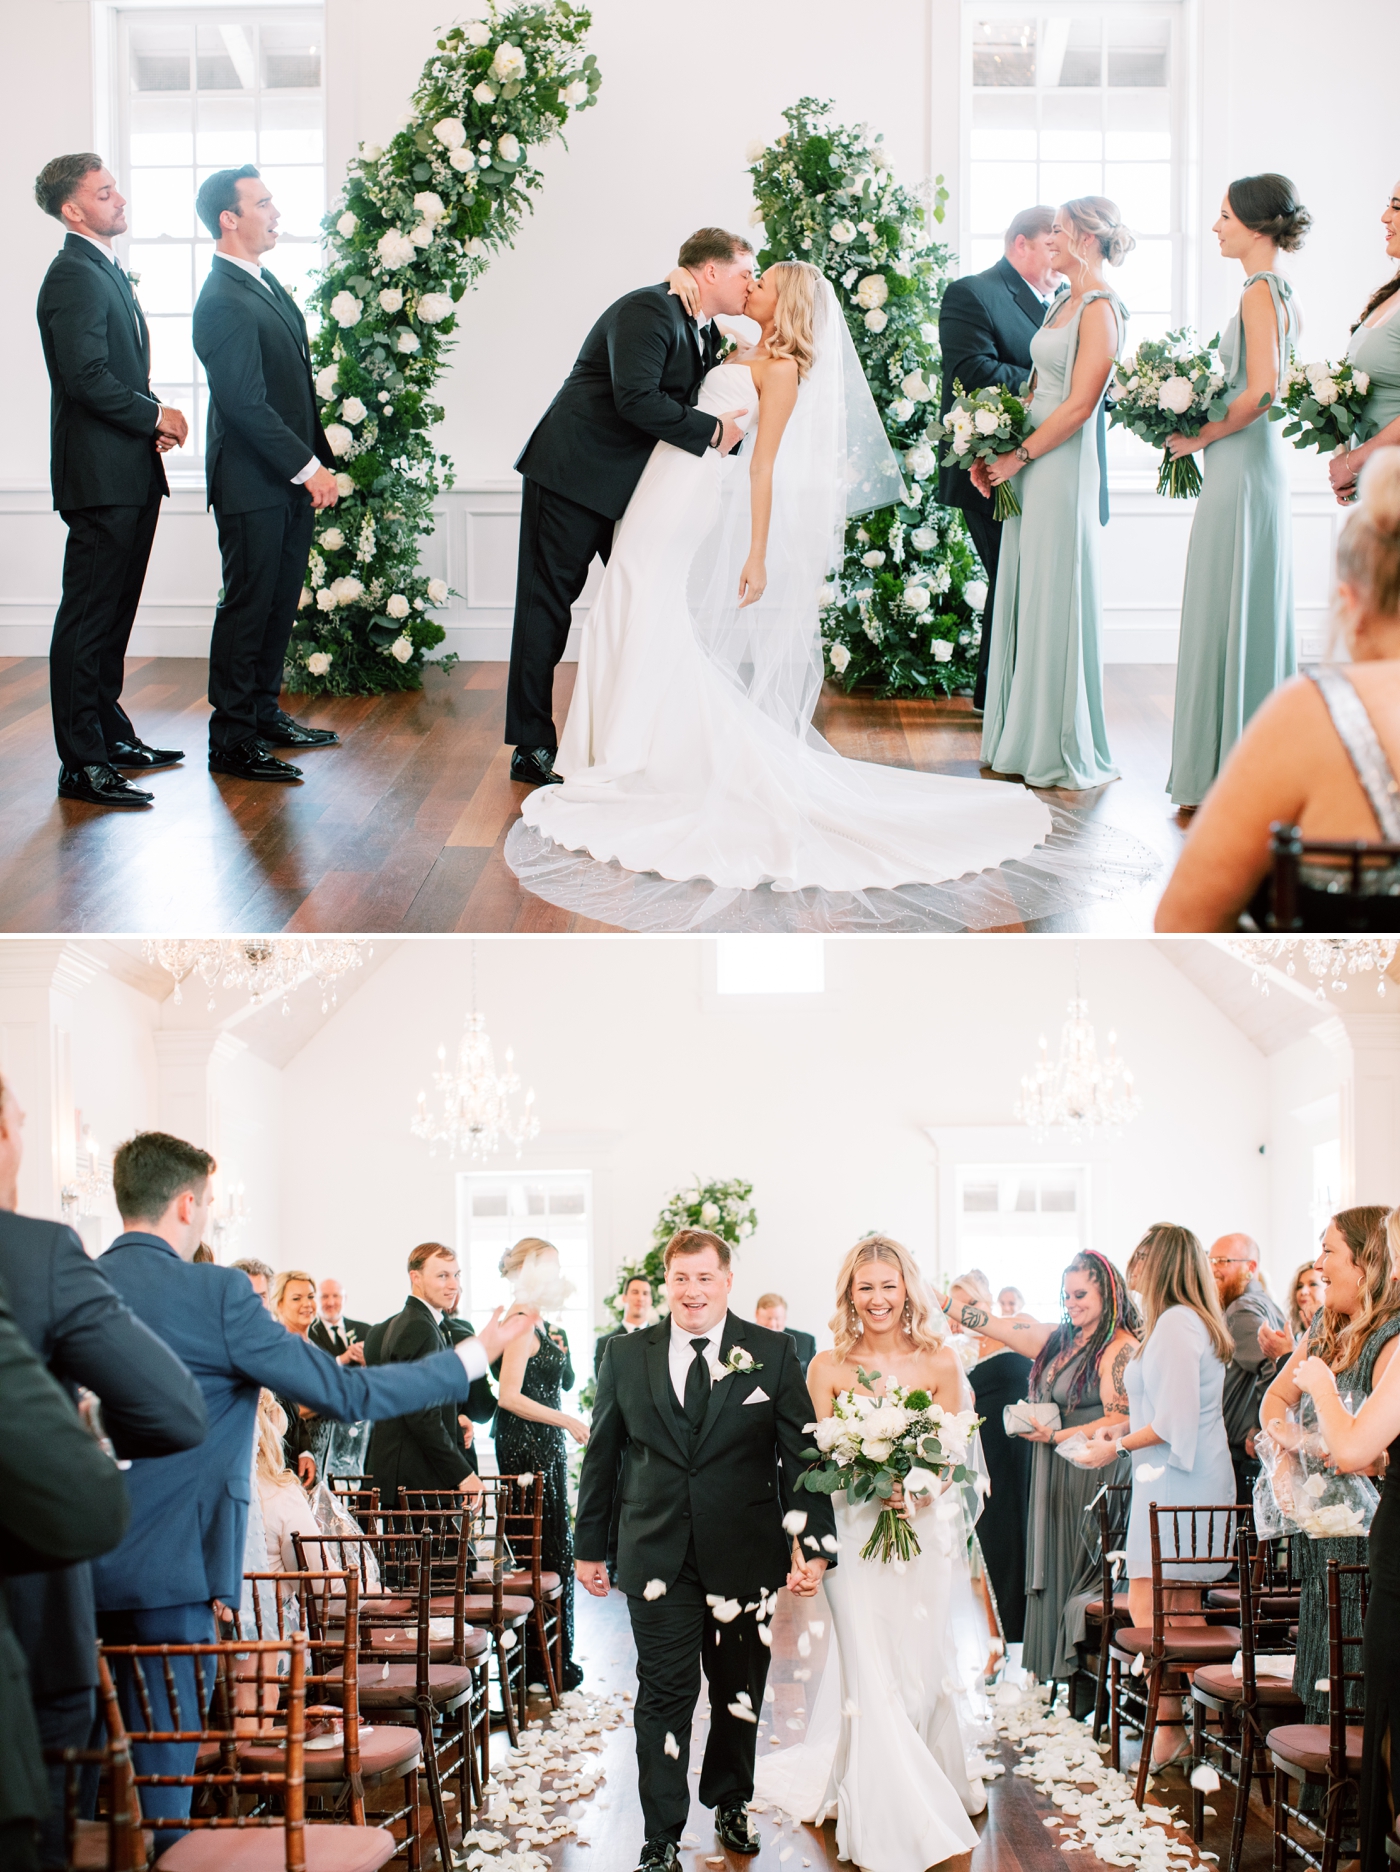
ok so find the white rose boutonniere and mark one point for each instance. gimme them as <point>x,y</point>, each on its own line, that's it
<point>739,1363</point>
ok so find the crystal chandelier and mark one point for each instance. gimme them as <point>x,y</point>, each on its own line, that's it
<point>269,967</point>
<point>1326,958</point>
<point>1079,1094</point>
<point>89,1189</point>
<point>476,1118</point>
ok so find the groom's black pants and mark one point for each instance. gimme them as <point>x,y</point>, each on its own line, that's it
<point>558,540</point>
<point>676,1636</point>
<point>986,537</point>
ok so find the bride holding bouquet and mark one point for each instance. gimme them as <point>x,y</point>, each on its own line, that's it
<point>887,1744</point>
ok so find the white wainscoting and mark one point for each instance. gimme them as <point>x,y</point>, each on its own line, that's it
<point>474,549</point>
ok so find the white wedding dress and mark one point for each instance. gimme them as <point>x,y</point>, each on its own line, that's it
<point>890,1750</point>
<point>696,793</point>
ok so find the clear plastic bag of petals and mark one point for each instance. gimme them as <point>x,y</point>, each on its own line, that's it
<point>1308,1495</point>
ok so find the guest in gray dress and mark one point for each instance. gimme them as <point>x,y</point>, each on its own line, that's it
<point>1375,349</point>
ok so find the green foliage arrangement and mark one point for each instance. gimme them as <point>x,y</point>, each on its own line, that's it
<point>725,1209</point>
<point>904,617</point>
<point>416,227</point>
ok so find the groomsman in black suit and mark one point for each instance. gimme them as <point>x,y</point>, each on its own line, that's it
<point>107,437</point>
<point>637,1300</point>
<point>634,384</point>
<point>985,326</point>
<point>268,468</point>
<point>771,1311</point>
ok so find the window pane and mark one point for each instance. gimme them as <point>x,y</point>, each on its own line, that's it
<point>165,277</point>
<point>1003,145</point>
<point>160,130</point>
<point>172,353</point>
<point>985,253</point>
<point>1003,52</point>
<point>300,195</point>
<point>999,191</point>
<point>1138,146</point>
<point>160,57</point>
<point>1144,110</point>
<point>294,263</point>
<point>1144,282</point>
<point>226,137</point>
<point>1071,145</point>
<point>291,56</point>
<point>290,130</point>
<point>1143,192</point>
<point>162,202</point>
<point>1138,52</point>
<point>1062,182</point>
<point>1003,110</point>
<point>225,58</point>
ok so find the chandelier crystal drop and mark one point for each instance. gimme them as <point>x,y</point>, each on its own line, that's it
<point>1079,1094</point>
<point>1328,959</point>
<point>477,1118</point>
<point>269,967</point>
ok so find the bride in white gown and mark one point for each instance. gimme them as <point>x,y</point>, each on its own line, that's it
<point>889,1750</point>
<point>695,788</point>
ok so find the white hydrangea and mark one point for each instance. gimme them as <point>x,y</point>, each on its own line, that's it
<point>876,320</point>
<point>437,591</point>
<point>422,235</point>
<point>325,381</point>
<point>842,233</point>
<point>319,662</point>
<point>345,310</point>
<point>508,147</point>
<point>916,598</point>
<point>395,249</point>
<point>391,299</point>
<point>332,539</point>
<point>353,410</point>
<point>407,342</point>
<point>840,658</point>
<point>975,594</point>
<point>429,204</point>
<point>347,224</point>
<point>484,93</point>
<point>451,132</point>
<point>434,307</point>
<point>575,93</point>
<point>873,291</point>
<point>397,606</point>
<point>340,438</point>
<point>401,649</point>
<point>508,64</point>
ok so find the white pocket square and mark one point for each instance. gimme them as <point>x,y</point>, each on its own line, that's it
<point>758,1396</point>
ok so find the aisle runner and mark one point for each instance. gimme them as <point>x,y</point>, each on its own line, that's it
<point>553,1765</point>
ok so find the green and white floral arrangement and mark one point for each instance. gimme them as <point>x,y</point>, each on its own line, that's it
<point>416,227</point>
<point>725,1209</point>
<point>904,614</point>
<point>1323,406</point>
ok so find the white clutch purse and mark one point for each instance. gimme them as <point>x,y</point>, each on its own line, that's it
<point>1018,1418</point>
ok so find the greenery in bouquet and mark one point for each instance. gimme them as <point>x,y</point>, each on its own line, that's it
<point>982,424</point>
<point>1170,386</point>
<point>725,1209</point>
<point>903,615</point>
<point>416,227</point>
<point>1323,406</point>
<point>869,1444</point>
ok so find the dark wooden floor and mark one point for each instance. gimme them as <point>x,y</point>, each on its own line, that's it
<point>1013,1837</point>
<point>402,827</point>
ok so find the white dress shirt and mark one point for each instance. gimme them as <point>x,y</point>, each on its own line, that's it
<point>682,1354</point>
<point>93,241</point>
<point>254,271</point>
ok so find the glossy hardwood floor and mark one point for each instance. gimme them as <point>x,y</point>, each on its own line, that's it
<point>401,828</point>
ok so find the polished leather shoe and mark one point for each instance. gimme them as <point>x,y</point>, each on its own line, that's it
<point>535,767</point>
<point>734,1830</point>
<point>250,760</point>
<point>136,755</point>
<point>100,785</point>
<point>282,731</point>
<point>659,1855</point>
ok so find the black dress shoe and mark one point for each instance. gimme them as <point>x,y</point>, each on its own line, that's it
<point>282,731</point>
<point>734,1829</point>
<point>250,760</point>
<point>659,1855</point>
<point>136,755</point>
<point>100,785</point>
<point>535,767</point>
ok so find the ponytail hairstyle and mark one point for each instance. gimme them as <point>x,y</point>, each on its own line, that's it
<point>1368,553</point>
<point>1386,290</point>
<point>1118,1313</point>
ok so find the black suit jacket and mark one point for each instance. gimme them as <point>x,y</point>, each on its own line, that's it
<point>352,1331</point>
<point>726,1489</point>
<point>634,385</point>
<point>61,1502</point>
<point>424,1449</point>
<point>806,1346</point>
<point>102,425</point>
<point>67,1309</point>
<point>600,1344</point>
<point>985,326</point>
<point>264,425</point>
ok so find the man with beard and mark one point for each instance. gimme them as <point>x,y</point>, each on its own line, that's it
<point>1234,1261</point>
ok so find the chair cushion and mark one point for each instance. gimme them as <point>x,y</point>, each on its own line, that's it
<point>264,1849</point>
<point>1219,1680</point>
<point>397,1642</point>
<point>1183,1644</point>
<point>514,1610</point>
<point>384,1750</point>
<point>446,1682</point>
<point>1094,1609</point>
<point>551,1586</point>
<point>91,1844</point>
<point>1306,1745</point>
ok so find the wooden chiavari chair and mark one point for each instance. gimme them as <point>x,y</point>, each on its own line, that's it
<point>1324,1755</point>
<point>114,1843</point>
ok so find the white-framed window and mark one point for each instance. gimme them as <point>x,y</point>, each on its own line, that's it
<point>498,1208</point>
<point>1080,97</point>
<point>200,89</point>
<point>1021,1224</point>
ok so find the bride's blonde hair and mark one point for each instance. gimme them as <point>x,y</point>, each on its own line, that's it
<point>794,320</point>
<point>923,1317</point>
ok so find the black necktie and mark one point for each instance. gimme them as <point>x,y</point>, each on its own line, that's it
<point>338,1344</point>
<point>697,1384</point>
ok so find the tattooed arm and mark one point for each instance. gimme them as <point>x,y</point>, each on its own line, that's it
<point>1022,1333</point>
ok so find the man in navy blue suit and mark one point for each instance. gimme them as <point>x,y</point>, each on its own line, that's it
<point>182,1558</point>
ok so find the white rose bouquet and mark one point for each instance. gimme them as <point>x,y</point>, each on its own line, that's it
<point>980,425</point>
<point>870,1443</point>
<point>1323,406</point>
<point>1169,386</point>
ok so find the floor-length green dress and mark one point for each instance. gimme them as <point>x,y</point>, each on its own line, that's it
<point>1236,643</point>
<point>1044,716</point>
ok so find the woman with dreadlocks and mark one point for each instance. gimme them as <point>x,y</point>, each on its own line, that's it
<point>1079,1365</point>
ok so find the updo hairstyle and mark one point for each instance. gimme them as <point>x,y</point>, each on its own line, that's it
<point>1268,204</point>
<point>1098,216</point>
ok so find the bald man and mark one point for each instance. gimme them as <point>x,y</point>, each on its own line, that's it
<point>331,1330</point>
<point>1234,1261</point>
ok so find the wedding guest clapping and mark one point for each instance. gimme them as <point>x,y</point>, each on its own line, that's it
<point>1375,349</point>
<point>1044,716</point>
<point>1236,643</point>
<point>1306,1294</point>
<point>1301,760</point>
<point>343,1338</point>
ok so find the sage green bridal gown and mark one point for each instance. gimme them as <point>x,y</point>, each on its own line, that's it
<point>1236,643</point>
<point>1044,714</point>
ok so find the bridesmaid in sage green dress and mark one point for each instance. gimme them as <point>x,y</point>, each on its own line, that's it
<point>1236,643</point>
<point>1044,716</point>
<point>1375,349</point>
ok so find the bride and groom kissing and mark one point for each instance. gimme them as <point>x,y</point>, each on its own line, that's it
<point>698,1437</point>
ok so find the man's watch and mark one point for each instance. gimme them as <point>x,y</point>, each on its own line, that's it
<point>1022,453</point>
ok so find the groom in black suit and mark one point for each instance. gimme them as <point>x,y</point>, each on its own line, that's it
<point>634,384</point>
<point>698,1428</point>
<point>108,434</point>
<point>985,326</point>
<point>268,469</point>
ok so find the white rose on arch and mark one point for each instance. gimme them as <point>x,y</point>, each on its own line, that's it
<point>347,224</point>
<point>462,160</point>
<point>422,235</point>
<point>901,409</point>
<point>917,598</point>
<point>319,662</point>
<point>332,539</point>
<point>451,132</point>
<point>353,410</point>
<point>345,310</point>
<point>508,64</point>
<point>484,93</point>
<point>873,291</point>
<point>477,33</point>
<point>923,539</point>
<point>346,590</point>
<point>325,382</point>
<point>344,485</point>
<point>508,147</point>
<point>840,658</point>
<point>391,299</point>
<point>325,599</point>
<point>401,649</point>
<point>842,232</point>
<point>341,440</point>
<point>437,591</point>
<point>920,461</point>
<point>975,595</point>
<point>575,93</point>
<point>876,320</point>
<point>407,342</point>
<point>305,598</point>
<point>433,308</point>
<point>397,606</point>
<point>395,249</point>
<point>942,651</point>
<point>429,205</point>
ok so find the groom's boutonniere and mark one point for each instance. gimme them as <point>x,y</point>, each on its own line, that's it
<point>739,1362</point>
